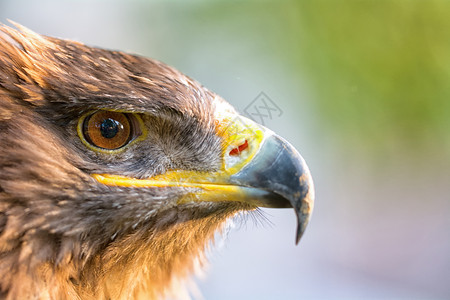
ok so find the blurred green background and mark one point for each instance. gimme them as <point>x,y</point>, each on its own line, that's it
<point>364,90</point>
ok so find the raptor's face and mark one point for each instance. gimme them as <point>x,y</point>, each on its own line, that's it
<point>221,159</point>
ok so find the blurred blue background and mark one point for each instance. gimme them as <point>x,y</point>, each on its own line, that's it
<point>363,89</point>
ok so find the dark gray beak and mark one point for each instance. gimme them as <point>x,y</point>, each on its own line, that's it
<point>281,172</point>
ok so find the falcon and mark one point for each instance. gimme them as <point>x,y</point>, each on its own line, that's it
<point>117,171</point>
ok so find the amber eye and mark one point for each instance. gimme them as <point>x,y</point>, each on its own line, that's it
<point>108,129</point>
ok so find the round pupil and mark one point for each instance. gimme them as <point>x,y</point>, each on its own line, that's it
<point>109,128</point>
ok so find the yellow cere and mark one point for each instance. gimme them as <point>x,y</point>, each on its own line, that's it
<point>236,130</point>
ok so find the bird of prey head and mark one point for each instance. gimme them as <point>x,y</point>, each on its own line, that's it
<point>116,171</point>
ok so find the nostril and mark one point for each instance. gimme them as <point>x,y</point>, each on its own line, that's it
<point>236,151</point>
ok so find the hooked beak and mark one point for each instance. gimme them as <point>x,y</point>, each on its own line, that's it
<point>281,171</point>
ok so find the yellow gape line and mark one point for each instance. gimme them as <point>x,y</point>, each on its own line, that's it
<point>206,191</point>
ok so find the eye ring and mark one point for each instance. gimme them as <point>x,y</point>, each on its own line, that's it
<point>109,131</point>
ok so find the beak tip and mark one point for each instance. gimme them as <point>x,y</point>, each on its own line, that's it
<point>302,222</point>
<point>298,236</point>
<point>304,209</point>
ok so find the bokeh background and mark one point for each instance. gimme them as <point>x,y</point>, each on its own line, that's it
<point>364,90</point>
